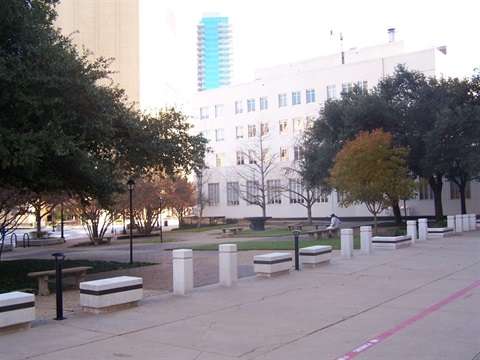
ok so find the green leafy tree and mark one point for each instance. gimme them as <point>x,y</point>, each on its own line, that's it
<point>369,170</point>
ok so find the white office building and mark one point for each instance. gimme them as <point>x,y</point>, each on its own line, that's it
<point>277,107</point>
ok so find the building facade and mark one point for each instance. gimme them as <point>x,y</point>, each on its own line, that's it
<point>214,54</point>
<point>269,115</point>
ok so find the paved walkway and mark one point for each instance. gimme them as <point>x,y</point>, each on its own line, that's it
<point>420,302</point>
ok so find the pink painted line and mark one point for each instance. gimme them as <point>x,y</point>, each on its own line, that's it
<point>395,329</point>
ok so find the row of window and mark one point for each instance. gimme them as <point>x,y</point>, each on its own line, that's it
<point>250,131</point>
<point>282,101</point>
<point>253,157</point>
<point>296,192</point>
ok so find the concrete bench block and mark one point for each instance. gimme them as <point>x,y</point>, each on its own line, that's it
<point>17,311</point>
<point>434,233</point>
<point>106,295</point>
<point>312,256</point>
<point>391,242</point>
<point>273,264</point>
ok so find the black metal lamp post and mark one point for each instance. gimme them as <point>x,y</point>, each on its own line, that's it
<point>131,186</point>
<point>297,260</point>
<point>58,277</point>
<point>160,199</point>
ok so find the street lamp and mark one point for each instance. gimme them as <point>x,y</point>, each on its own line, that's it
<point>160,199</point>
<point>131,186</point>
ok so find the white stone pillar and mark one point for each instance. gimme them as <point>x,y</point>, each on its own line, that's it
<point>422,229</point>
<point>473,222</point>
<point>365,239</point>
<point>182,271</point>
<point>346,243</point>
<point>228,264</point>
<point>451,222</point>
<point>458,223</point>
<point>466,222</point>
<point>412,230</point>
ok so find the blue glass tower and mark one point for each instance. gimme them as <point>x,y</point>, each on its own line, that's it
<point>213,52</point>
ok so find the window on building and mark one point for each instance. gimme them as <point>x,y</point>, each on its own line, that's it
<point>455,191</point>
<point>252,192</point>
<point>296,191</point>
<point>297,153</point>
<point>316,194</point>
<point>232,194</point>
<point>363,85</point>
<point>284,153</point>
<point>252,157</point>
<point>265,129</point>
<point>274,192</point>
<point>310,122</point>
<point>219,134</point>
<point>263,103</point>
<point>204,113</point>
<point>424,190</point>
<point>296,98</point>
<point>250,105</point>
<point>240,158</point>
<point>310,95</point>
<point>239,132</point>
<point>252,130</point>
<point>347,87</point>
<point>207,134</point>
<point>283,126</point>
<point>331,92</point>
<point>298,125</point>
<point>220,159</point>
<point>238,107</point>
<point>265,156</point>
<point>218,110</point>
<point>282,100</point>
<point>340,197</point>
<point>214,194</point>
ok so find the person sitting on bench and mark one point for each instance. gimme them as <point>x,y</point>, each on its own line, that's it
<point>334,225</point>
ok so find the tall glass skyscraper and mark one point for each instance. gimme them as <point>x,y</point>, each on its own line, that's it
<point>213,52</point>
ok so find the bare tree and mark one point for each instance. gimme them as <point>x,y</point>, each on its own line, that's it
<point>13,207</point>
<point>43,205</point>
<point>202,177</point>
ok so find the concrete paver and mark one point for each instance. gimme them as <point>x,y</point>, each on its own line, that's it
<point>419,302</point>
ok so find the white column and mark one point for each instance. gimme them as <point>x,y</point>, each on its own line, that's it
<point>422,229</point>
<point>466,222</point>
<point>182,271</point>
<point>473,222</point>
<point>458,223</point>
<point>451,222</point>
<point>346,243</point>
<point>228,264</point>
<point>412,230</point>
<point>365,239</point>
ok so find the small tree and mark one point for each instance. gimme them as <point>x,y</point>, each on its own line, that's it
<point>180,197</point>
<point>368,170</point>
<point>202,177</point>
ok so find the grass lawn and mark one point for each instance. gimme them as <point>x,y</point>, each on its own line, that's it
<point>13,273</point>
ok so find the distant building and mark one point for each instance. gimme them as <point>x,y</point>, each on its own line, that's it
<point>277,107</point>
<point>139,35</point>
<point>213,52</point>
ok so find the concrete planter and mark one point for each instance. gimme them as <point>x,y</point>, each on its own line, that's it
<point>440,232</point>
<point>391,242</point>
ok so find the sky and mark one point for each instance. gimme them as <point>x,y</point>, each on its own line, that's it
<point>268,32</point>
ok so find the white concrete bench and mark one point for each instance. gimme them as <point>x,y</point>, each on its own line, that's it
<point>439,232</point>
<point>391,242</point>
<point>312,256</point>
<point>17,311</point>
<point>272,264</point>
<point>295,227</point>
<point>42,277</point>
<point>106,295</point>
<point>233,230</point>
<point>99,240</point>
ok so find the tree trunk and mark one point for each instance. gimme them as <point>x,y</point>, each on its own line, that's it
<point>38,219</point>
<point>436,183</point>
<point>309,214</point>
<point>397,214</point>
<point>463,203</point>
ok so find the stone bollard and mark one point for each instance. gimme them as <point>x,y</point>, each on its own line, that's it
<point>466,222</point>
<point>346,243</point>
<point>228,264</point>
<point>422,229</point>
<point>412,230</point>
<point>473,222</point>
<point>182,271</point>
<point>365,239</point>
<point>458,223</point>
<point>451,222</point>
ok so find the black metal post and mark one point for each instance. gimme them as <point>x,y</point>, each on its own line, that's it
<point>58,282</point>
<point>297,257</point>
<point>160,200</point>
<point>61,222</point>
<point>131,186</point>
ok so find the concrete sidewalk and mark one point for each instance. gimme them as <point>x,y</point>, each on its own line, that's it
<point>419,302</point>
